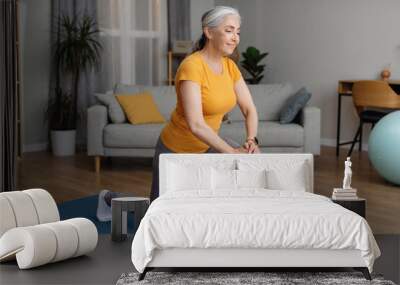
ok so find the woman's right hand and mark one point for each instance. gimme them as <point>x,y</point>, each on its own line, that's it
<point>240,150</point>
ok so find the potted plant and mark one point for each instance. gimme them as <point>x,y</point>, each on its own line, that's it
<point>252,58</point>
<point>77,49</point>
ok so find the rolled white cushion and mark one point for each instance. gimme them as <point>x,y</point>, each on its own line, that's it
<point>40,244</point>
<point>66,238</point>
<point>7,218</point>
<point>33,246</point>
<point>46,207</point>
<point>87,235</point>
<point>23,208</point>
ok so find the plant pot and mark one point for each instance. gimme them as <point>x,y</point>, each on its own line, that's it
<point>63,142</point>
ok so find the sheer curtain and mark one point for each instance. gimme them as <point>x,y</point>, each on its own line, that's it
<point>133,33</point>
<point>178,20</point>
<point>88,78</point>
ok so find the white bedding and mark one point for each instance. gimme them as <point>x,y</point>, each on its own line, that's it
<point>251,218</point>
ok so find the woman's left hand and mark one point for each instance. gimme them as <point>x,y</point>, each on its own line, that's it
<point>251,147</point>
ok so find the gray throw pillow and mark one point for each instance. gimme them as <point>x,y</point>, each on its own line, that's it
<point>115,111</point>
<point>293,105</point>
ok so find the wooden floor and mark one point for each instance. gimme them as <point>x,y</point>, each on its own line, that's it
<point>74,177</point>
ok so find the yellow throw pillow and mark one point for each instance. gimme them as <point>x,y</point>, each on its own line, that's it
<point>140,108</point>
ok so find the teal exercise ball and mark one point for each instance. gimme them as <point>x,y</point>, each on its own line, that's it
<point>384,147</point>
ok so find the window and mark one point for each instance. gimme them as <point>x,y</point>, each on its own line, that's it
<point>133,33</point>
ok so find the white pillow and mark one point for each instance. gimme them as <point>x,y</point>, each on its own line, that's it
<point>183,177</point>
<point>224,179</point>
<point>282,174</point>
<point>294,178</point>
<point>229,179</point>
<point>251,178</point>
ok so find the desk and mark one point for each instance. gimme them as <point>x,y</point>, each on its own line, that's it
<point>345,89</point>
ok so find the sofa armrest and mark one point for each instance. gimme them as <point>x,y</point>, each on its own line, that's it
<point>96,121</point>
<point>311,122</point>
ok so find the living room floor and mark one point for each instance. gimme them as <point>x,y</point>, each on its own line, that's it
<point>68,178</point>
<point>110,259</point>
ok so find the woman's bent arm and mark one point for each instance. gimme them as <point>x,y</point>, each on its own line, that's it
<point>247,107</point>
<point>249,111</point>
<point>191,101</point>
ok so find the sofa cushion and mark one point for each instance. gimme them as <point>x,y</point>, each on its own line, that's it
<point>164,96</point>
<point>115,112</point>
<point>140,108</point>
<point>293,105</point>
<point>131,136</point>
<point>270,133</point>
<point>269,100</point>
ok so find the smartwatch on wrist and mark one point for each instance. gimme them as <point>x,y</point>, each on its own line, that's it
<point>253,139</point>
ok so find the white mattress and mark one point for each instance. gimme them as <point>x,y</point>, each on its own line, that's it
<point>252,218</point>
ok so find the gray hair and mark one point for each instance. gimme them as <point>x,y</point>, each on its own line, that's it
<point>212,19</point>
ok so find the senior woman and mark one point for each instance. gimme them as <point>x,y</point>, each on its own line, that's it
<point>208,85</point>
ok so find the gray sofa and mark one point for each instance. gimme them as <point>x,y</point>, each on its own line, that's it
<point>106,139</point>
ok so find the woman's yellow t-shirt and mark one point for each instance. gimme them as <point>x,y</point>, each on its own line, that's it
<point>217,96</point>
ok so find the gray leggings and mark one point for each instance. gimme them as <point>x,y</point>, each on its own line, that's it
<point>161,148</point>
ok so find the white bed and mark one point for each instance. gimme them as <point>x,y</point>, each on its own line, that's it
<point>219,210</point>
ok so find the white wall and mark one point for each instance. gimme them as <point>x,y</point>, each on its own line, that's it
<point>248,24</point>
<point>315,43</point>
<point>197,9</point>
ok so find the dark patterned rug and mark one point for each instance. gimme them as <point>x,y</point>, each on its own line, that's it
<point>273,278</point>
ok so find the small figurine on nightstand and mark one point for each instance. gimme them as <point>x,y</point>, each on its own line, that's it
<point>346,192</point>
<point>347,174</point>
<point>347,196</point>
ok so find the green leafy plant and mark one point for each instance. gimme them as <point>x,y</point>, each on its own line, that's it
<point>251,63</point>
<point>77,49</point>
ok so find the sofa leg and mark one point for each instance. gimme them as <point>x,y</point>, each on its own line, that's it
<point>97,162</point>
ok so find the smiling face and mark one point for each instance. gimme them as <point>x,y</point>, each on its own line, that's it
<point>226,36</point>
